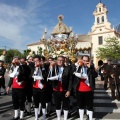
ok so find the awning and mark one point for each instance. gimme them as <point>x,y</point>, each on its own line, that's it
<point>83,45</point>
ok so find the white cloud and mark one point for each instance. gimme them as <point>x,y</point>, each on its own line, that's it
<point>15,21</point>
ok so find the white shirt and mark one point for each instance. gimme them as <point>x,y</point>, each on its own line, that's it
<point>60,73</point>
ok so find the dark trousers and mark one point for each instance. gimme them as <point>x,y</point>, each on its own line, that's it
<point>107,80</point>
<point>18,98</point>
<point>39,96</point>
<point>60,97</point>
<point>113,88</point>
<point>49,92</point>
<point>2,83</point>
<point>85,100</point>
<point>29,92</point>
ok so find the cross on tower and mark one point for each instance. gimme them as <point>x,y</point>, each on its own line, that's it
<point>100,1</point>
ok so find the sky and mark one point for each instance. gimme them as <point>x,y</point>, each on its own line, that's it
<point>22,22</point>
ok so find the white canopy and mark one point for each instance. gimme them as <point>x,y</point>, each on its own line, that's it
<point>83,45</point>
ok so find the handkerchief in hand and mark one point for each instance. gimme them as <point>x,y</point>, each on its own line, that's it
<point>84,76</point>
<point>41,86</point>
<point>12,75</point>
<point>77,74</point>
<point>87,82</point>
<point>53,78</point>
<point>19,83</point>
<point>37,78</point>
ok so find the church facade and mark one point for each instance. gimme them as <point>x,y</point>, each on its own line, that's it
<point>89,43</point>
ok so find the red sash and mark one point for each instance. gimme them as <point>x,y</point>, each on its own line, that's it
<point>36,84</point>
<point>16,85</point>
<point>83,87</point>
<point>59,88</point>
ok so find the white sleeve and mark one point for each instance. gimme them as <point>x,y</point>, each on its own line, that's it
<point>79,75</point>
<point>12,75</point>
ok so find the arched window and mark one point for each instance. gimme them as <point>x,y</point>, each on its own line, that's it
<point>99,9</point>
<point>102,19</point>
<point>98,21</point>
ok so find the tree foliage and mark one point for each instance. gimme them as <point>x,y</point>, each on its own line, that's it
<point>111,49</point>
<point>40,51</point>
<point>12,53</point>
<point>26,53</point>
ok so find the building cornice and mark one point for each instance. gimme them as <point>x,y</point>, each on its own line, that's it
<point>36,43</point>
<point>101,33</point>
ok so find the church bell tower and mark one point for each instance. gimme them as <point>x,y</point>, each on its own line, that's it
<point>101,19</point>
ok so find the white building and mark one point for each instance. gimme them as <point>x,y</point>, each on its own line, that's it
<point>100,30</point>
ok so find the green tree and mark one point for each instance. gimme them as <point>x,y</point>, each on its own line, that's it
<point>26,53</point>
<point>40,51</point>
<point>11,53</point>
<point>111,49</point>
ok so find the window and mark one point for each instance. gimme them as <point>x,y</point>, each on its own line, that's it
<point>99,9</point>
<point>100,40</point>
<point>102,19</point>
<point>98,21</point>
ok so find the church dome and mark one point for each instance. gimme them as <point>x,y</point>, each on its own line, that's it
<point>117,28</point>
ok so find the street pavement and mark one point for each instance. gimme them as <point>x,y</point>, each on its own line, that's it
<point>104,107</point>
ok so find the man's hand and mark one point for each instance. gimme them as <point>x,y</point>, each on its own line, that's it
<point>7,90</point>
<point>52,64</point>
<point>88,64</point>
<point>67,94</point>
<point>102,71</point>
<point>112,75</point>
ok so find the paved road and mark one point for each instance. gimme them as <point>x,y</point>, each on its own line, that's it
<point>105,109</point>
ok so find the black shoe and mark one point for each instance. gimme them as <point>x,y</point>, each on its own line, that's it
<point>39,115</point>
<point>29,113</point>
<point>25,111</point>
<point>5,94</point>
<point>62,112</point>
<point>118,98</point>
<point>87,117</point>
<point>113,98</point>
<point>15,118</point>
<point>69,115</point>
<point>32,108</point>
<point>48,114</point>
<point>105,86</point>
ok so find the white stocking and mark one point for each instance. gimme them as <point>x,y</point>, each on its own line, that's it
<point>65,114</point>
<point>58,112</point>
<point>81,113</point>
<point>36,113</point>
